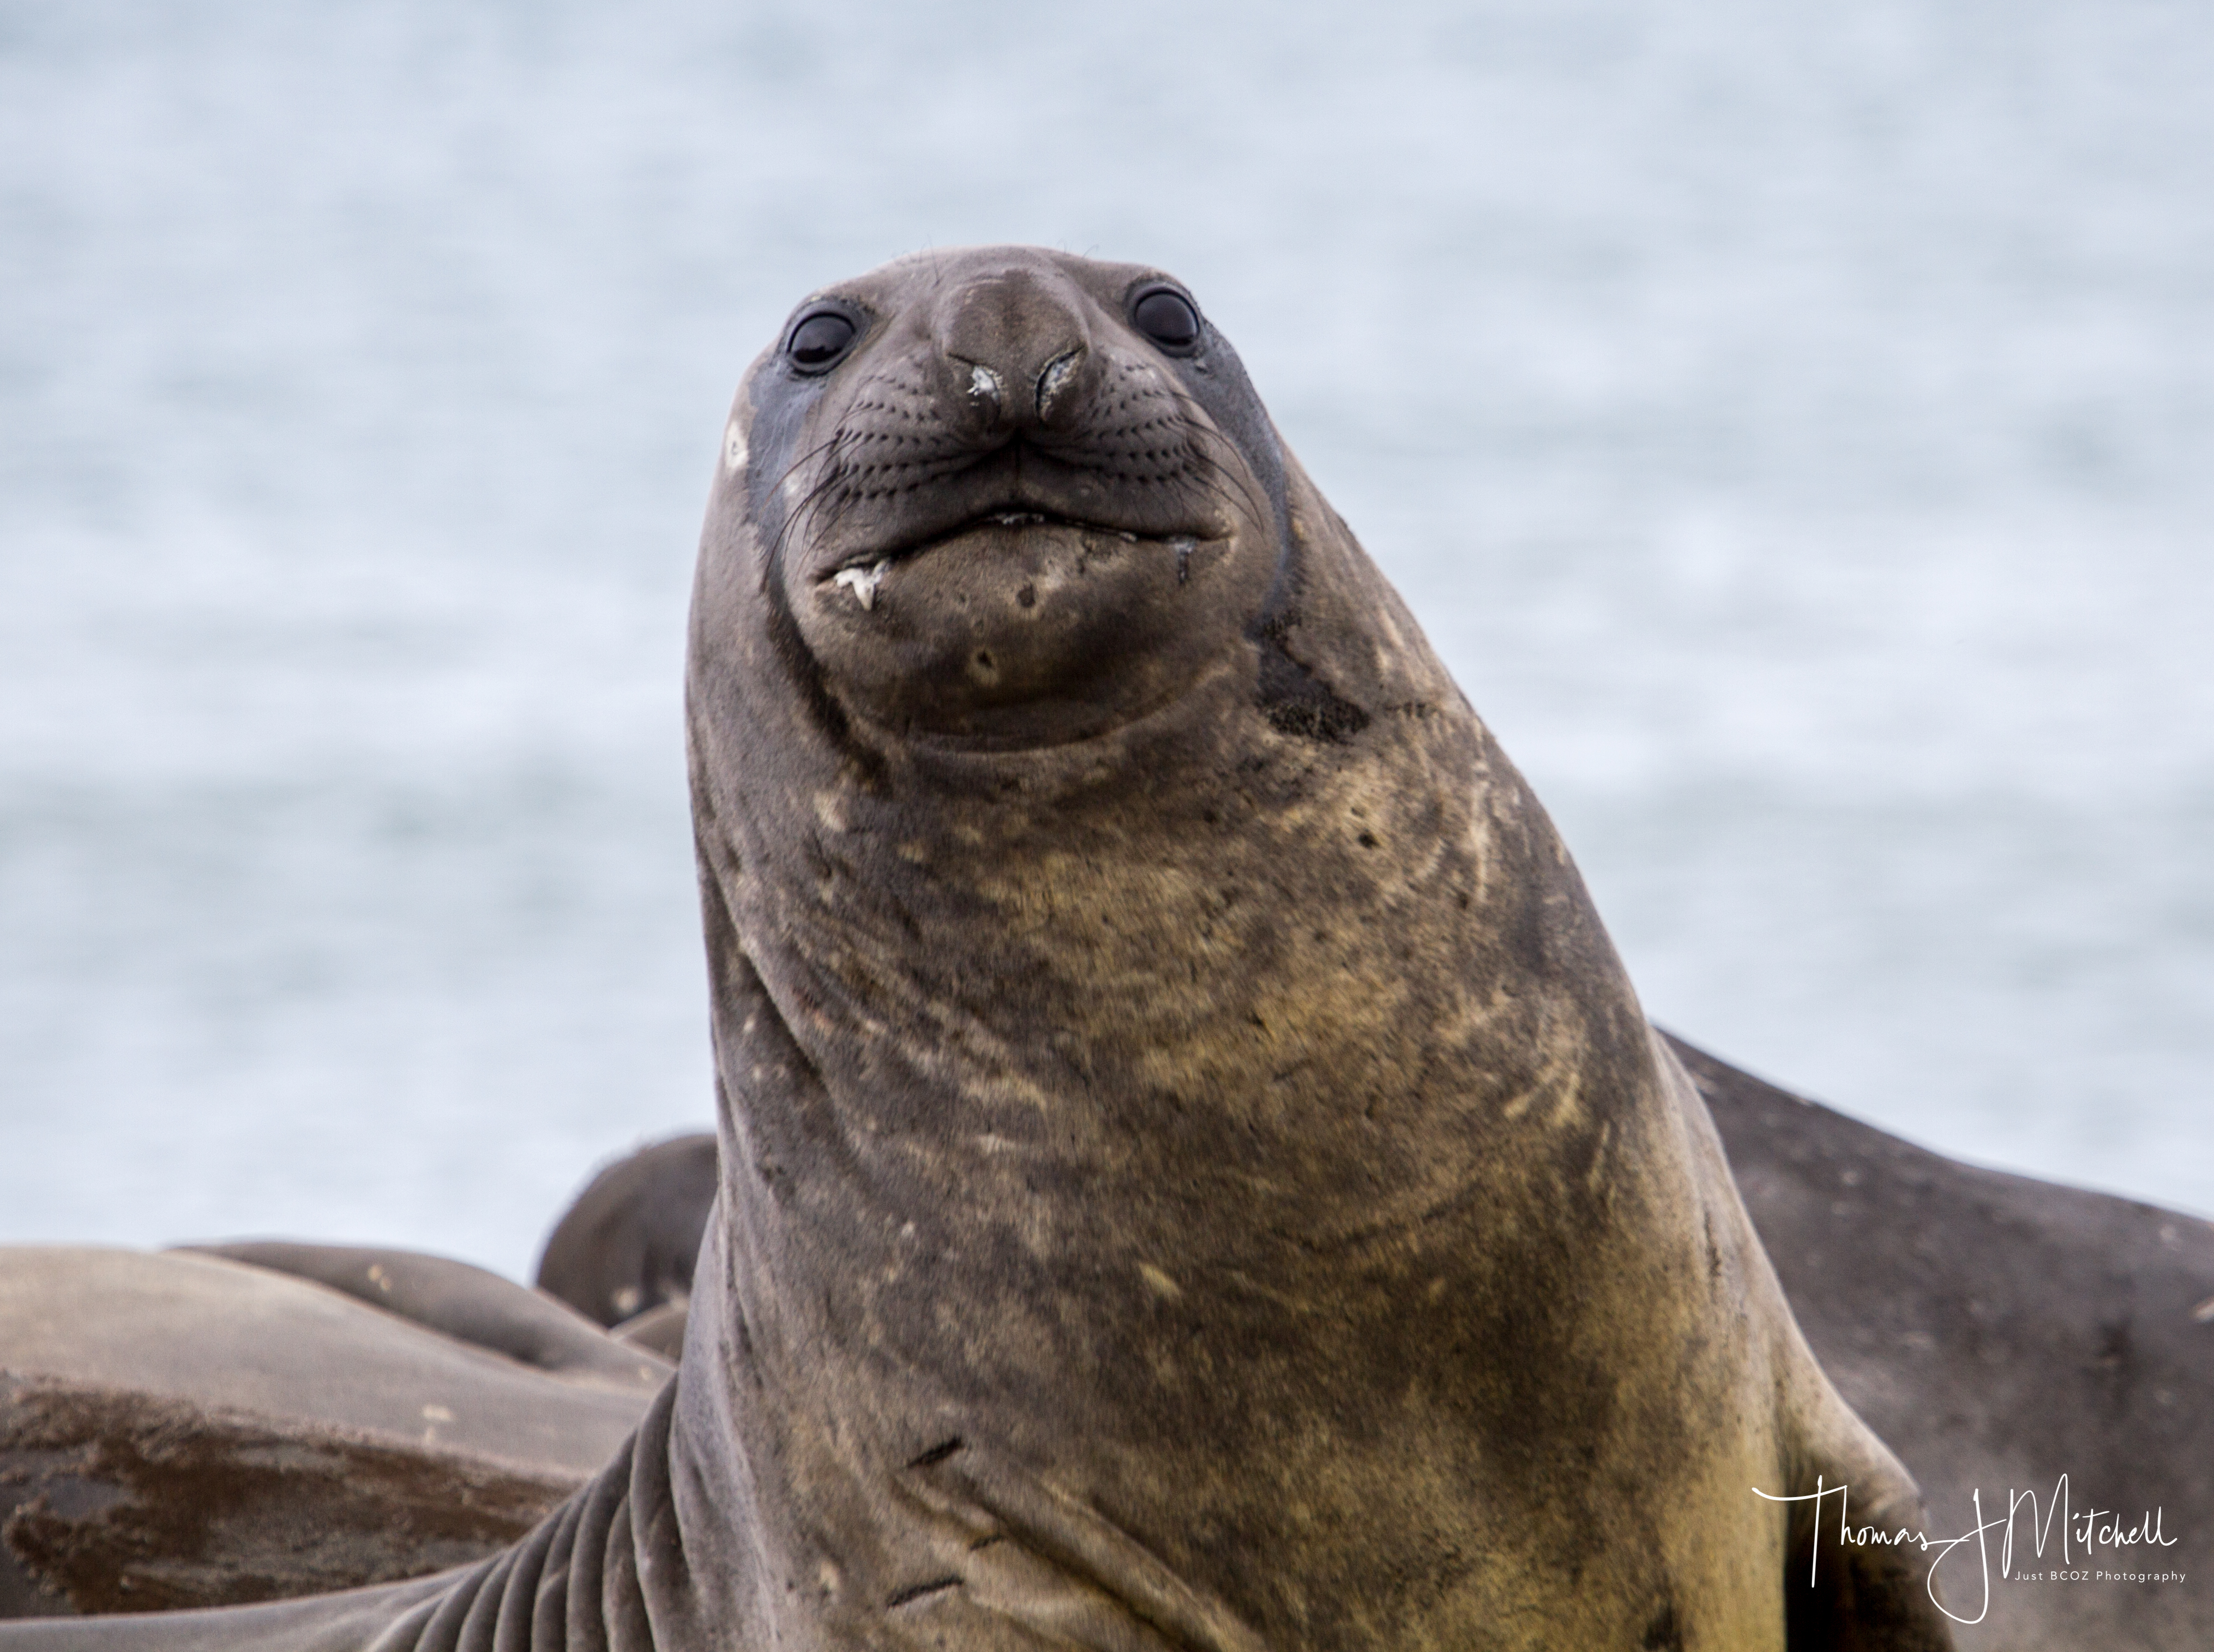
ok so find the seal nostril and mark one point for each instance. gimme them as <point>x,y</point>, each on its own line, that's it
<point>1053,378</point>
<point>984,384</point>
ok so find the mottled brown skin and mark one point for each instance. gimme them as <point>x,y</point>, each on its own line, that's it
<point>1194,1172</point>
<point>1998,1332</point>
<point>116,1500</point>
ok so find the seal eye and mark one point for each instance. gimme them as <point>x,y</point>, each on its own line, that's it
<point>1167,317</point>
<point>819,340</point>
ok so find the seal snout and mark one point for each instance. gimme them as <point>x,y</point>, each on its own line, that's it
<point>1054,398</point>
<point>1025,334</point>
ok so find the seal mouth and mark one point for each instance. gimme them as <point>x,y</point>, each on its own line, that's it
<point>1012,516</point>
<point>861,571</point>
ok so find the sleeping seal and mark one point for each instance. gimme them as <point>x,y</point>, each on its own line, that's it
<point>457,1299</point>
<point>1194,1172</point>
<point>623,1252</point>
<point>182,1429</point>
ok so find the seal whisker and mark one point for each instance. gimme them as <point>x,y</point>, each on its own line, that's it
<point>813,500</point>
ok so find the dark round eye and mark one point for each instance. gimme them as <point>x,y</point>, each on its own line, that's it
<point>820,339</point>
<point>1166,317</point>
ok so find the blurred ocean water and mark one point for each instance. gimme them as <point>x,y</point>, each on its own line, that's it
<point>1794,424</point>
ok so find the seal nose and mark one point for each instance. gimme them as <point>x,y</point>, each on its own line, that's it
<point>1018,349</point>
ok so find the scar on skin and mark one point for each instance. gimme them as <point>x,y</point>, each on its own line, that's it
<point>862,582</point>
<point>1161,1283</point>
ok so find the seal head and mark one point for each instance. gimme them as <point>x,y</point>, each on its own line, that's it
<point>1011,515</point>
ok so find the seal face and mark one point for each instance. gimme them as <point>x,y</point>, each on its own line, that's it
<point>1007,515</point>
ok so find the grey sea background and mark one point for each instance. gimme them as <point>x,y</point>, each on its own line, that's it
<point>1794,424</point>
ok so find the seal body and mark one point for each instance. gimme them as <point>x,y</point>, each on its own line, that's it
<point>1914,1278</point>
<point>1193,1171</point>
<point>182,1430</point>
<point>627,1247</point>
<point>469,1304</point>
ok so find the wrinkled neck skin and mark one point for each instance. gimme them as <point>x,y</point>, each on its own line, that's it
<point>1179,1176</point>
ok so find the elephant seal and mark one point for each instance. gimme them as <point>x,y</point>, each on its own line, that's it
<point>627,1246</point>
<point>181,1429</point>
<point>468,1303</point>
<point>1194,1172</point>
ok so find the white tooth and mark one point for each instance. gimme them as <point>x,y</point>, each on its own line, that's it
<point>862,582</point>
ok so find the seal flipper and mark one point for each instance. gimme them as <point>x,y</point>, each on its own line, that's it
<point>1838,1596</point>
<point>1844,1596</point>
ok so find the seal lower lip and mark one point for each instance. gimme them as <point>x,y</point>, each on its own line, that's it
<point>865,569</point>
<point>862,577</point>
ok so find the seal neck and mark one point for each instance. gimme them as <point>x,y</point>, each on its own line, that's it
<point>1109,1113</point>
